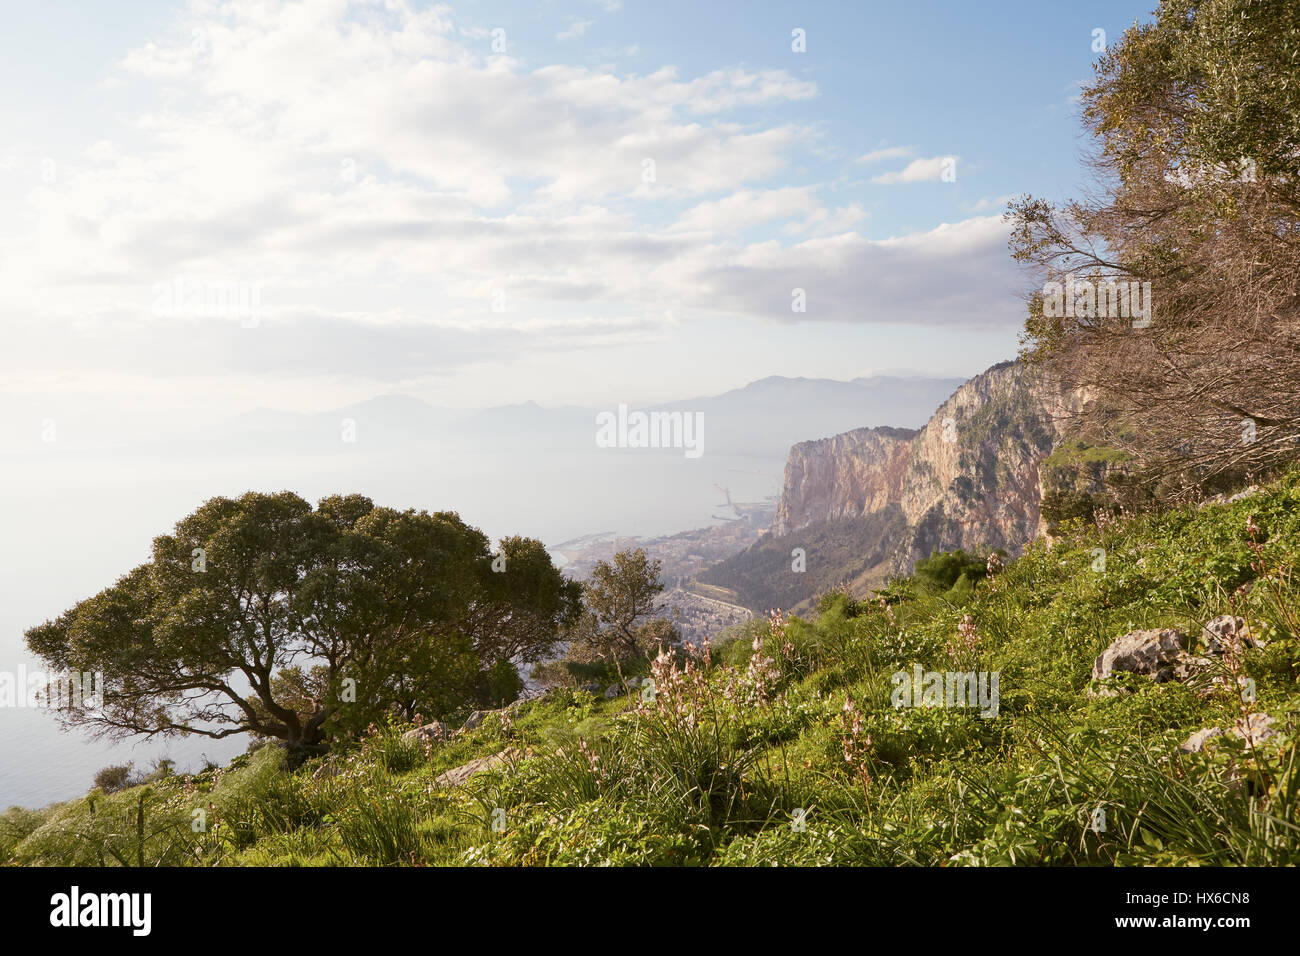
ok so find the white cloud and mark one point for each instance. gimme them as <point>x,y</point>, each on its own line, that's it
<point>750,207</point>
<point>956,274</point>
<point>923,170</point>
<point>150,60</point>
<point>401,93</point>
<point>984,203</point>
<point>828,222</point>
<point>888,152</point>
<point>575,29</point>
<point>381,178</point>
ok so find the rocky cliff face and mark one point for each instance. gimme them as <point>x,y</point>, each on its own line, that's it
<point>968,479</point>
<point>845,476</point>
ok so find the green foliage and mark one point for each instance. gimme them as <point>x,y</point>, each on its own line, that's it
<point>740,758</point>
<point>361,609</point>
<point>953,574</point>
<point>16,825</point>
<point>113,779</point>
<point>1193,118</point>
<point>836,550</point>
<point>140,826</point>
<point>619,624</point>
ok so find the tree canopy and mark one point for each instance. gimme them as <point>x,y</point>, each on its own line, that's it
<point>1196,119</point>
<point>619,625</point>
<point>261,614</point>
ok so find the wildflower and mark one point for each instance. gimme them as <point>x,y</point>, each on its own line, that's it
<point>593,759</point>
<point>967,642</point>
<point>856,745</point>
<point>729,692</point>
<point>761,674</point>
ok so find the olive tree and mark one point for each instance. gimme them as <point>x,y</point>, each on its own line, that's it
<point>264,615</point>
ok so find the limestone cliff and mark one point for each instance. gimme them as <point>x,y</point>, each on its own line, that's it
<point>845,476</point>
<point>969,478</point>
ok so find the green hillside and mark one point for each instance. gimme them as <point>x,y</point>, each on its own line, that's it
<point>854,551</point>
<point>794,754</point>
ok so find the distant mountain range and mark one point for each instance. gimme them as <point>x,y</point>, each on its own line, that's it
<point>512,469</point>
<point>763,418</point>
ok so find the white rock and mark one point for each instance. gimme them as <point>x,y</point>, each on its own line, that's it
<point>1157,654</point>
<point>458,775</point>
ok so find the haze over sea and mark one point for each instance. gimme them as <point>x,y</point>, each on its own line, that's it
<point>514,470</point>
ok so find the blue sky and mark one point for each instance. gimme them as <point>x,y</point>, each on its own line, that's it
<point>417,211</point>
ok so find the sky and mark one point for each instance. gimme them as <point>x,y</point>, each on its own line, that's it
<point>208,207</point>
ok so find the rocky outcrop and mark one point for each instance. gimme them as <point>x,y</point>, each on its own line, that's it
<point>968,479</point>
<point>458,775</point>
<point>1163,655</point>
<point>1227,634</point>
<point>475,720</point>
<point>1156,654</point>
<point>845,476</point>
<point>433,732</point>
<point>437,732</point>
<point>1197,741</point>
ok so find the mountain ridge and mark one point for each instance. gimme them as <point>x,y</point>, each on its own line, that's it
<point>968,478</point>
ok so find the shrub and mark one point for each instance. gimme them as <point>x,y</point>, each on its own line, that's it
<point>115,778</point>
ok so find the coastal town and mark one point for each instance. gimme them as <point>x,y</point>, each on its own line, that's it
<point>699,610</point>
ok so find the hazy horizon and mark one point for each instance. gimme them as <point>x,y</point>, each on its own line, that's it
<point>518,469</point>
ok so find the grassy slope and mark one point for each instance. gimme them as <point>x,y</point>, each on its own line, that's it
<point>717,771</point>
<point>855,549</point>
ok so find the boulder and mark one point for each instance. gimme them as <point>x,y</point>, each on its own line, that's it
<point>458,775</point>
<point>1220,633</point>
<point>1156,654</point>
<point>435,732</point>
<point>1196,742</point>
<point>475,719</point>
<point>612,691</point>
<point>1254,730</point>
<point>1227,499</point>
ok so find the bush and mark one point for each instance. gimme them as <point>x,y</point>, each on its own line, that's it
<point>942,570</point>
<point>113,779</point>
